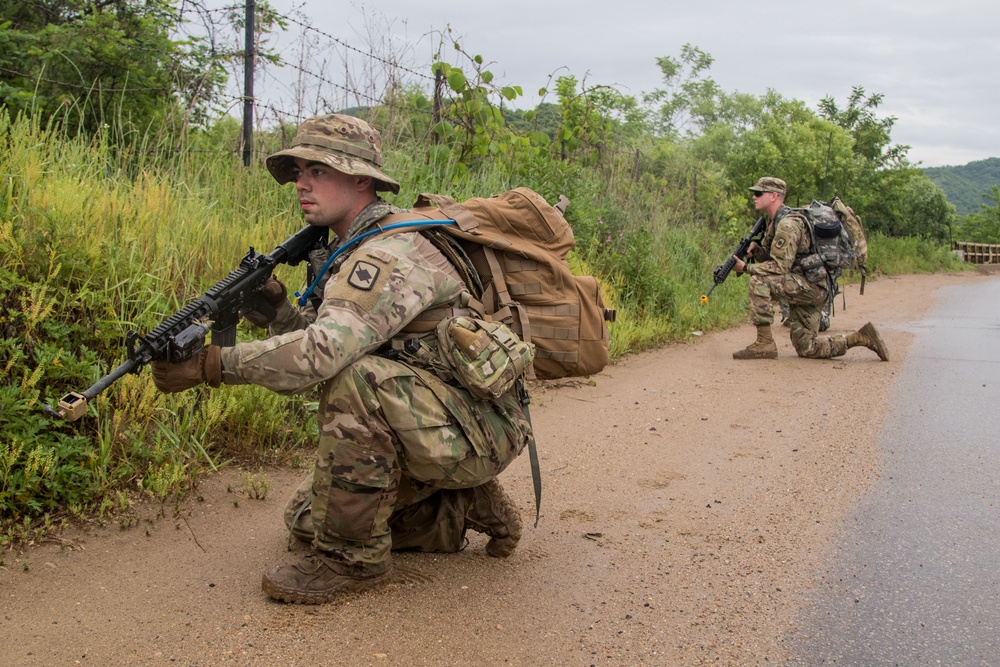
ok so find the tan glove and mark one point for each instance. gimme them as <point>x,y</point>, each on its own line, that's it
<point>271,298</point>
<point>206,366</point>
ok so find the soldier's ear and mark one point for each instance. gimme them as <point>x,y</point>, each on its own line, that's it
<point>365,183</point>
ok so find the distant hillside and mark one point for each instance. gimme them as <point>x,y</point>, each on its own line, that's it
<point>965,185</point>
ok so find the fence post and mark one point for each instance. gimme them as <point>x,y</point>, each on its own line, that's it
<point>248,65</point>
<point>438,84</point>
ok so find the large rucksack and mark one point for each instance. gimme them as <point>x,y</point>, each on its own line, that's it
<point>855,233</point>
<point>516,244</point>
<point>837,237</point>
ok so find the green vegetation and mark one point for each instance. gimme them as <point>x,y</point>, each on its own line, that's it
<point>974,190</point>
<point>984,226</point>
<point>106,230</point>
<point>967,185</point>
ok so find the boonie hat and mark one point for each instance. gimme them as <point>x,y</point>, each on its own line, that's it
<point>348,144</point>
<point>770,184</point>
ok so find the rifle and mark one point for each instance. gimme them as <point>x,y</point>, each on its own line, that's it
<point>182,335</point>
<point>722,270</point>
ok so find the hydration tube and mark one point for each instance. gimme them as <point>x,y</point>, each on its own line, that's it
<point>413,224</point>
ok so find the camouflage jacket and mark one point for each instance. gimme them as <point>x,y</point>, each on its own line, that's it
<point>369,296</point>
<point>786,238</point>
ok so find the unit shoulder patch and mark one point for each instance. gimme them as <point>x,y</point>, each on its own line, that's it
<point>363,280</point>
<point>364,275</point>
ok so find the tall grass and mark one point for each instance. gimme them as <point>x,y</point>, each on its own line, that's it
<point>94,244</point>
<point>899,256</point>
<point>99,239</point>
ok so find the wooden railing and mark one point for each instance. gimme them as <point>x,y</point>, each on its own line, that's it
<point>977,253</point>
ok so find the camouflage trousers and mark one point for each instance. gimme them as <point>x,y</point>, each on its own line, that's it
<point>805,301</point>
<point>394,440</point>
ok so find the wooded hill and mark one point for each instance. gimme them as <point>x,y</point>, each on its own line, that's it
<point>965,185</point>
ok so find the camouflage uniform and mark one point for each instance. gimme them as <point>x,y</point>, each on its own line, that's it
<point>777,277</point>
<point>396,443</point>
<point>391,433</point>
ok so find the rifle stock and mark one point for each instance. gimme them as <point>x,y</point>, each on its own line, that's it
<point>722,271</point>
<point>182,335</point>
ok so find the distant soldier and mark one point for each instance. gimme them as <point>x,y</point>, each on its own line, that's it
<point>778,274</point>
<point>405,460</point>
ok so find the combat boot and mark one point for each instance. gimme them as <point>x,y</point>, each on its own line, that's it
<point>491,511</point>
<point>317,578</point>
<point>762,348</point>
<point>867,336</point>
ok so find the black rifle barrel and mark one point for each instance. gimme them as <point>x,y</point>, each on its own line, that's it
<point>219,306</point>
<point>723,270</point>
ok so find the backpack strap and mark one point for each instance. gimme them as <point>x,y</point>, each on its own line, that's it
<point>497,292</point>
<point>410,224</point>
<point>508,311</point>
<point>450,248</point>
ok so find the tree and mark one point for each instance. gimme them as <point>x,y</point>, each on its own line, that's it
<point>472,126</point>
<point>924,210</point>
<point>687,94</point>
<point>872,135</point>
<point>882,170</point>
<point>585,122</point>
<point>984,226</point>
<point>104,63</point>
<point>783,138</point>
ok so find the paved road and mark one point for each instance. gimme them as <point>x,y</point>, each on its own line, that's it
<point>915,577</point>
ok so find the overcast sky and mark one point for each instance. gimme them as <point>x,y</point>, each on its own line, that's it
<point>937,64</point>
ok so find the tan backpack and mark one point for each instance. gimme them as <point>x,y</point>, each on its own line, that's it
<point>856,236</point>
<point>855,232</point>
<point>517,244</point>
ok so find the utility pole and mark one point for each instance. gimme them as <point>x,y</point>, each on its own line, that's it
<point>248,65</point>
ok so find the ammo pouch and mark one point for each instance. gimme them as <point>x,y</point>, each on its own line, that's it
<point>813,268</point>
<point>486,358</point>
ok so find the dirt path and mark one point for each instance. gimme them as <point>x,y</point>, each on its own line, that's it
<point>686,497</point>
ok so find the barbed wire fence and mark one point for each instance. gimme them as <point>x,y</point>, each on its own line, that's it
<point>285,70</point>
<point>293,70</point>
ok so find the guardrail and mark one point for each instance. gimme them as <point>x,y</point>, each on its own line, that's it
<point>977,253</point>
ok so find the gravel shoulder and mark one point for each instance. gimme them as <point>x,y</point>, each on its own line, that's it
<point>686,500</point>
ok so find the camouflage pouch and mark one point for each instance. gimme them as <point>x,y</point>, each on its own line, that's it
<point>485,357</point>
<point>813,268</point>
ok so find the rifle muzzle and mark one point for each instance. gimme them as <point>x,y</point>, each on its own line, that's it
<point>72,406</point>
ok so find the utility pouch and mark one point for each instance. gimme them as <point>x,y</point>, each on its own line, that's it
<point>813,268</point>
<point>485,357</point>
<point>419,352</point>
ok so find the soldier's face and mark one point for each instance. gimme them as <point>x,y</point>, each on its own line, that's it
<point>761,200</point>
<point>765,201</point>
<point>330,198</point>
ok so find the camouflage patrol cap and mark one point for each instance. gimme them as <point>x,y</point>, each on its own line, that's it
<point>348,144</point>
<point>770,184</point>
